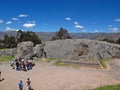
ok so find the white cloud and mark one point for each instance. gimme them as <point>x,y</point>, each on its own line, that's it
<point>79,26</point>
<point>29,25</point>
<point>76,23</point>
<point>23,15</point>
<point>84,31</point>
<point>14,19</point>
<point>8,22</point>
<point>114,29</point>
<point>117,20</point>
<point>1,21</point>
<point>68,19</point>
<point>10,29</point>
<point>96,31</point>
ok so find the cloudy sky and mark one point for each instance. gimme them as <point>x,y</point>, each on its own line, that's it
<point>50,15</point>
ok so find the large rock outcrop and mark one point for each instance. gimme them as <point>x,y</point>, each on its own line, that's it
<point>82,50</point>
<point>24,50</point>
<point>38,50</point>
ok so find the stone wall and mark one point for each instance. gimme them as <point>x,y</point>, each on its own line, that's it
<point>8,52</point>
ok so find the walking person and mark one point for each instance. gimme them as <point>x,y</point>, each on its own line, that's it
<point>17,65</point>
<point>29,84</point>
<point>13,63</point>
<point>20,85</point>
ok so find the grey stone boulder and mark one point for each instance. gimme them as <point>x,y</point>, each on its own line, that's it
<point>81,49</point>
<point>38,50</point>
<point>24,50</point>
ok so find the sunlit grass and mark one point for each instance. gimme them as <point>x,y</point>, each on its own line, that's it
<point>53,59</point>
<point>103,63</point>
<point>5,58</point>
<point>108,87</point>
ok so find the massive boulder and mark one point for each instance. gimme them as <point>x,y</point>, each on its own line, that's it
<point>38,50</point>
<point>24,50</point>
<point>81,50</point>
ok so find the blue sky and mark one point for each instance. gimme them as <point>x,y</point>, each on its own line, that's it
<point>50,15</point>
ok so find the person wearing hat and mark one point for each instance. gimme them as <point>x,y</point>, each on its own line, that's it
<point>20,85</point>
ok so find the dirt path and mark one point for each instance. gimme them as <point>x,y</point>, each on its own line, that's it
<point>45,76</point>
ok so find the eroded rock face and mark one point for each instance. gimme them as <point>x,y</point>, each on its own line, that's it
<point>24,49</point>
<point>81,49</point>
<point>38,50</point>
<point>8,52</point>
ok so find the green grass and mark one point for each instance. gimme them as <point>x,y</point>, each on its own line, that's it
<point>108,87</point>
<point>103,63</point>
<point>53,59</point>
<point>5,58</point>
<point>59,63</point>
<point>50,59</point>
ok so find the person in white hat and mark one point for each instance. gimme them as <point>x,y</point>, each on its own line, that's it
<point>20,85</point>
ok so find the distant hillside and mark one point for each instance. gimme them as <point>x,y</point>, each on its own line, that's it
<point>46,36</point>
<point>96,36</point>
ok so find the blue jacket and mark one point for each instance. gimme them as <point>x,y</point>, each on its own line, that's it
<point>20,85</point>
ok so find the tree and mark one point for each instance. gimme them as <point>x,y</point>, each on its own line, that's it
<point>108,40</point>
<point>62,34</point>
<point>19,36</point>
<point>11,41</point>
<point>28,36</point>
<point>6,38</point>
<point>118,41</point>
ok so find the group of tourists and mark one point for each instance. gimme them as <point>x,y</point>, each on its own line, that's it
<point>22,64</point>
<point>21,86</point>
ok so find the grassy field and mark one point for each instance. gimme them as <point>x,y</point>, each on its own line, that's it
<point>5,58</point>
<point>108,87</point>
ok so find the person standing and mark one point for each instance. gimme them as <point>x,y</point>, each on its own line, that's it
<point>13,63</point>
<point>20,85</point>
<point>0,76</point>
<point>28,84</point>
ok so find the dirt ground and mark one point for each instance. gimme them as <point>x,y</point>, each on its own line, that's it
<point>45,76</point>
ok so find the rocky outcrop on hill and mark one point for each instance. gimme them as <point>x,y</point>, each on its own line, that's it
<point>81,50</point>
<point>38,50</point>
<point>24,49</point>
<point>8,52</point>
